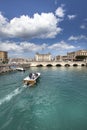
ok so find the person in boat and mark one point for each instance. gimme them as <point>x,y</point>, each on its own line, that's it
<point>33,76</point>
<point>30,75</point>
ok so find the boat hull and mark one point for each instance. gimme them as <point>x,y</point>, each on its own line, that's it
<point>29,81</point>
<point>20,69</point>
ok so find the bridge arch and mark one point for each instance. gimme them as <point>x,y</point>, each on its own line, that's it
<point>49,65</point>
<point>39,65</point>
<point>82,65</point>
<point>75,65</point>
<point>58,65</point>
<point>67,65</point>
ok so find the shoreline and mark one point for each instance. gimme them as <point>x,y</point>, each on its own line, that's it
<point>5,69</point>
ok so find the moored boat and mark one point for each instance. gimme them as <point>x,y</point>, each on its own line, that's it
<point>31,79</point>
<point>20,69</point>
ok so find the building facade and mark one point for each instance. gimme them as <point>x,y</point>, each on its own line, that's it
<point>81,53</point>
<point>43,57</point>
<point>61,58</point>
<point>19,60</point>
<point>72,55</point>
<point>3,56</point>
<point>58,58</point>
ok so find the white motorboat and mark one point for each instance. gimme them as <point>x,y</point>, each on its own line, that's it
<point>31,79</point>
<point>20,69</point>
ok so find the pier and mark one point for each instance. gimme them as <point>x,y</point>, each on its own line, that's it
<point>5,68</point>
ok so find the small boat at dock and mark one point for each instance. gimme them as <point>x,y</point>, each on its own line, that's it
<point>31,79</point>
<point>20,69</point>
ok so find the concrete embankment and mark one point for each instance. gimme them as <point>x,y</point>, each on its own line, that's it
<point>5,68</point>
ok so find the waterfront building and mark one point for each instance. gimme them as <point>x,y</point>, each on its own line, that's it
<point>43,57</point>
<point>72,55</point>
<point>58,58</point>
<point>64,58</point>
<point>3,57</point>
<point>19,60</point>
<point>61,58</point>
<point>81,53</point>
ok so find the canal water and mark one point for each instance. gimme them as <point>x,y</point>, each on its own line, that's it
<point>58,101</point>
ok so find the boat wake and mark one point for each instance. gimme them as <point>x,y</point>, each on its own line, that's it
<point>12,94</point>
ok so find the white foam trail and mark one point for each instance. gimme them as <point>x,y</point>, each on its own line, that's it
<point>11,95</point>
<point>25,86</point>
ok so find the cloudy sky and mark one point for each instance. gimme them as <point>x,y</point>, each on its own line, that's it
<point>30,26</point>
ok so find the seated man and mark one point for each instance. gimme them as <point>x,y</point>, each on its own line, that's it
<point>33,76</point>
<point>30,75</point>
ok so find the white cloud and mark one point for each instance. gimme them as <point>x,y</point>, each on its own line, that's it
<point>60,12</point>
<point>70,17</point>
<point>83,26</point>
<point>27,47</point>
<point>3,20</point>
<point>75,38</point>
<point>21,47</point>
<point>39,26</point>
<point>61,46</point>
<point>56,2</point>
<point>10,46</point>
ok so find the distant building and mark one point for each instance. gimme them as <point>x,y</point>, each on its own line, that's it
<point>19,60</point>
<point>72,55</point>
<point>81,53</point>
<point>58,58</point>
<point>3,56</point>
<point>61,58</point>
<point>64,58</point>
<point>43,57</point>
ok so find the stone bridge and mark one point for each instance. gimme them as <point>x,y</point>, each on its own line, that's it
<point>56,63</point>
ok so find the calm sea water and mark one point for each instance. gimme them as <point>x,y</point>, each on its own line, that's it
<point>57,102</point>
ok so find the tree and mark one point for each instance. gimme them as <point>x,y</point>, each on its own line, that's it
<point>80,58</point>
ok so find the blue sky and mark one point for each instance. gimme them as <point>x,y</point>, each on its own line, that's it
<point>30,26</point>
